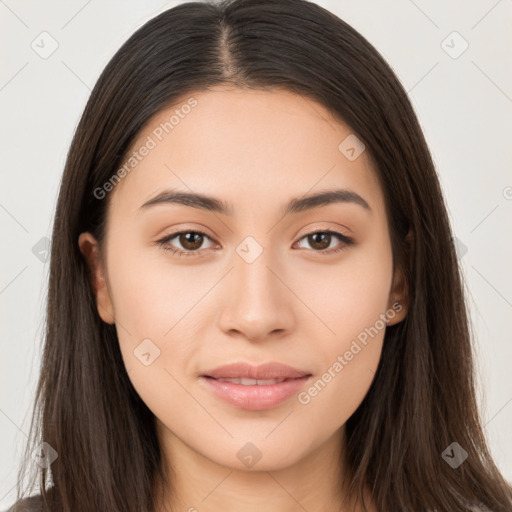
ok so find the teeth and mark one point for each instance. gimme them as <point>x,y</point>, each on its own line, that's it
<point>253,382</point>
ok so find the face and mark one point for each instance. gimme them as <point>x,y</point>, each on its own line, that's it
<point>260,275</point>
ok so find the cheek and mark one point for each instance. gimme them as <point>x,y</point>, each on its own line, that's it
<point>157,306</point>
<point>349,360</point>
<point>151,294</point>
<point>352,303</point>
<point>349,297</point>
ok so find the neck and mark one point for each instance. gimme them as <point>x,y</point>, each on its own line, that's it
<point>198,484</point>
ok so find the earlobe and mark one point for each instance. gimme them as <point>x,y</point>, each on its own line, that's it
<point>89,249</point>
<point>399,293</point>
<point>398,303</point>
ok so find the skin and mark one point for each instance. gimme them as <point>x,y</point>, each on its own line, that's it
<point>255,150</point>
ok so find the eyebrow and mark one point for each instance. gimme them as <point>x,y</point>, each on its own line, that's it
<point>299,204</point>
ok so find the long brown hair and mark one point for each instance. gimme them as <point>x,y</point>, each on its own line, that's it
<point>422,398</point>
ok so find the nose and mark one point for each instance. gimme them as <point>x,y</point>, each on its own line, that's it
<point>257,302</point>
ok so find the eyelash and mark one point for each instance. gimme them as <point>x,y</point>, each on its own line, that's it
<point>347,241</point>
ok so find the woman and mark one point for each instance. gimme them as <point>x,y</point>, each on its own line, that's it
<point>254,294</point>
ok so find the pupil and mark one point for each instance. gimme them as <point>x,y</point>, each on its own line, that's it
<point>188,240</point>
<point>322,244</point>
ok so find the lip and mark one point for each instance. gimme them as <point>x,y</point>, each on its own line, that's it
<point>271,370</point>
<point>255,397</point>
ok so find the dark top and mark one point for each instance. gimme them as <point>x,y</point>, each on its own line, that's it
<point>32,504</point>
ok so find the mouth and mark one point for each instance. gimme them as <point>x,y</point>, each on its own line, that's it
<point>251,382</point>
<point>255,388</point>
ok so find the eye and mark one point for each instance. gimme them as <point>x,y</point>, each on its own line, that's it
<point>191,242</point>
<point>320,241</point>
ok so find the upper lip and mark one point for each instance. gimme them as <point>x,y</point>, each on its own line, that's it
<point>271,370</point>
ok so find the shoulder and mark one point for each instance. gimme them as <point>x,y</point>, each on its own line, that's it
<point>31,504</point>
<point>35,503</point>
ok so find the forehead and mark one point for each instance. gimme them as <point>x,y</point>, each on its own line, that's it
<point>255,149</point>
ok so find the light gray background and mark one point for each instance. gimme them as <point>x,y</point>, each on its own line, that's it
<point>464,105</point>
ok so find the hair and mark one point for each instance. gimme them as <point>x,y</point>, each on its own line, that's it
<point>422,397</point>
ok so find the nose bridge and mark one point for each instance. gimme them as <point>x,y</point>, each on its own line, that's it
<point>258,303</point>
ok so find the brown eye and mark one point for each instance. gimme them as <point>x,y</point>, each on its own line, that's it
<point>321,241</point>
<point>190,241</point>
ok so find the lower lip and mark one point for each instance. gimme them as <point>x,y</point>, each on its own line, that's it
<point>255,398</point>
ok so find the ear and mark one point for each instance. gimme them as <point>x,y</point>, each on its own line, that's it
<point>398,301</point>
<point>89,249</point>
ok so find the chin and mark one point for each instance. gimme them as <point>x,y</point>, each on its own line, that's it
<point>254,455</point>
